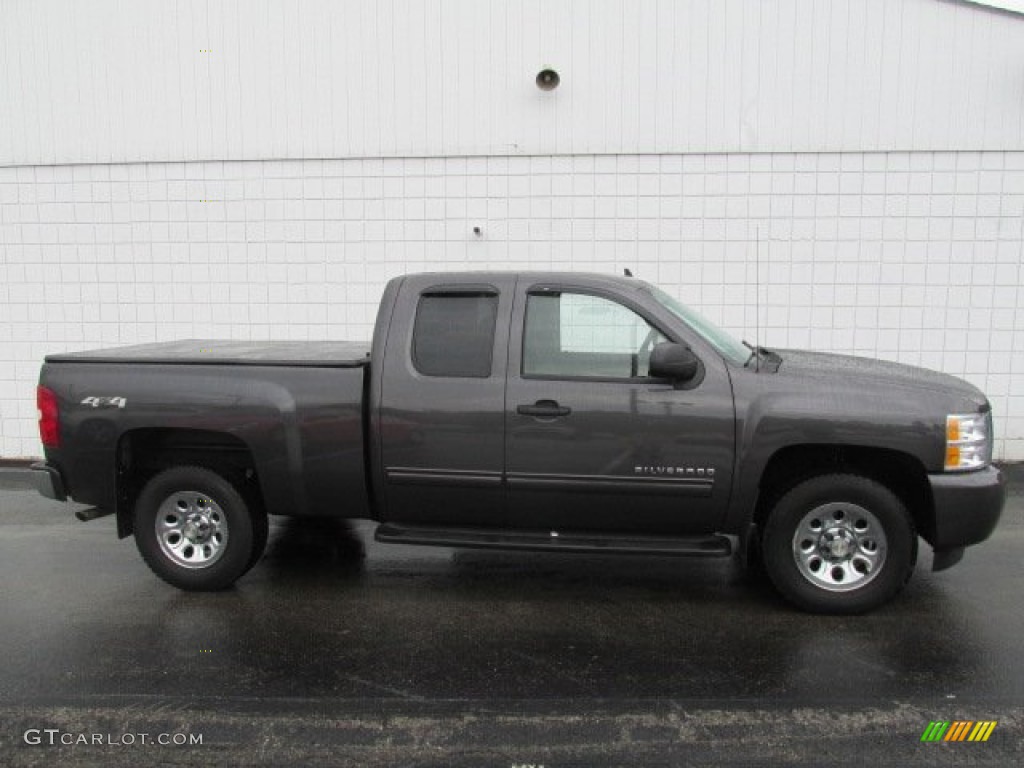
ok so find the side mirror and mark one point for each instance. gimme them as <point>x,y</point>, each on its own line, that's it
<point>673,361</point>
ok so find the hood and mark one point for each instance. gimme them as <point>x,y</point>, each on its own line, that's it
<point>880,373</point>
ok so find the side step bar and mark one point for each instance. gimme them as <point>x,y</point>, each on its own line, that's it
<point>553,541</point>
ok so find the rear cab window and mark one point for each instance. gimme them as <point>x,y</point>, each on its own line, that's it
<point>453,333</point>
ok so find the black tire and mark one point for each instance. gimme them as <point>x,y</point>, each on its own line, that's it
<point>243,525</point>
<point>843,502</point>
<point>261,532</point>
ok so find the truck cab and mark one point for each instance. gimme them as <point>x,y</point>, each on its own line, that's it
<point>531,404</point>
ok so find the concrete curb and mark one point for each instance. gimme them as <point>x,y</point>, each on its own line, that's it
<point>17,463</point>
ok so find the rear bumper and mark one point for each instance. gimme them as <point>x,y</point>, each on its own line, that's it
<point>967,507</point>
<point>48,481</point>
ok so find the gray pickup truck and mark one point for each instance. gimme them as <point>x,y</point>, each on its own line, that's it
<point>536,411</point>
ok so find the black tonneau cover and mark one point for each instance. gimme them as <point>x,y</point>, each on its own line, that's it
<point>316,354</point>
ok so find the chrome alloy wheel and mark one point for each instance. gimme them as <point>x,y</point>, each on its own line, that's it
<point>839,547</point>
<point>191,529</point>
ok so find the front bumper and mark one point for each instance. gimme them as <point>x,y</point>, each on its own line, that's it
<point>48,481</point>
<point>967,507</point>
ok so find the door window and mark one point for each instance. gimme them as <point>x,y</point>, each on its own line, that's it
<point>454,335</point>
<point>572,335</point>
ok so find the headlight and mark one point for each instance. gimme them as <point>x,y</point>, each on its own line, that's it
<point>968,440</point>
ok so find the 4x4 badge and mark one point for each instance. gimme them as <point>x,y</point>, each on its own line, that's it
<point>106,402</point>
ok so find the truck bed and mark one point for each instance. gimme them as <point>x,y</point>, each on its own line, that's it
<point>295,409</point>
<point>315,354</point>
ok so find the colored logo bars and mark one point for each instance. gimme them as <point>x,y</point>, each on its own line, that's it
<point>958,730</point>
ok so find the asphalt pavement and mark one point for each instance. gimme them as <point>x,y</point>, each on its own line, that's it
<point>336,650</point>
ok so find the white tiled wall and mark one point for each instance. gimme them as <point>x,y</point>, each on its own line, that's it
<point>907,256</point>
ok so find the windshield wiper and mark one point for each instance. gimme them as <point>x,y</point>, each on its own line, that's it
<point>757,352</point>
<point>753,352</point>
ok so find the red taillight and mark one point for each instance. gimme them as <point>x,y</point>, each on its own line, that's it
<point>49,421</point>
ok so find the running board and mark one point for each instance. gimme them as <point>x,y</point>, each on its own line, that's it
<point>554,541</point>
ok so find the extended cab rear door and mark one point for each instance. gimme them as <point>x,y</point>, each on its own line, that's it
<point>442,406</point>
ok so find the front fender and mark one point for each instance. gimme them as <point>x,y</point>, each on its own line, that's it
<point>774,421</point>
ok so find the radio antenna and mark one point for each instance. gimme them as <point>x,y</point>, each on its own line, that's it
<point>757,297</point>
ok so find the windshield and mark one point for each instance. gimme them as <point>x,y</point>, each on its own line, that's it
<point>726,345</point>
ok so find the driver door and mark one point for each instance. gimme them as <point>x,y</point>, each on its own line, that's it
<point>592,441</point>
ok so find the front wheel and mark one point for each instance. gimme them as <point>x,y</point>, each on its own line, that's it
<point>839,543</point>
<point>195,530</point>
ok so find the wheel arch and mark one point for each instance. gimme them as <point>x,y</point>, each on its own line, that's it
<point>142,453</point>
<point>902,473</point>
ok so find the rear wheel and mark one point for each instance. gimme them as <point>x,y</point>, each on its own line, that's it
<point>260,524</point>
<point>195,530</point>
<point>839,543</point>
<point>261,532</point>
